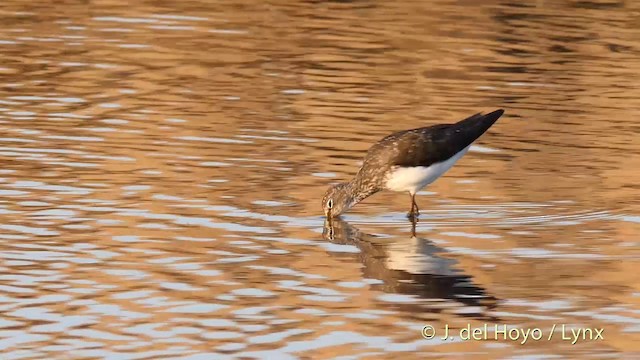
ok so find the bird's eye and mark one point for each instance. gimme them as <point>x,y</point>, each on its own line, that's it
<point>330,204</point>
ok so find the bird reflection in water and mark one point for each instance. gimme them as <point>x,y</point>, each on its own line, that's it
<point>412,267</point>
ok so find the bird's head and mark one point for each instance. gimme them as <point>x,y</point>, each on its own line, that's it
<point>337,200</point>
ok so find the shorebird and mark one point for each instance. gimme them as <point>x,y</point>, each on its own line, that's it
<point>407,161</point>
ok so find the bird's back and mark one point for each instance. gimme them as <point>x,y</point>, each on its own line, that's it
<point>428,145</point>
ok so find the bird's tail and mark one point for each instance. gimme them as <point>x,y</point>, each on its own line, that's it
<point>476,125</point>
<point>480,119</point>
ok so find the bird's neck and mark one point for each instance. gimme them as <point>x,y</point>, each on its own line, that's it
<point>360,188</point>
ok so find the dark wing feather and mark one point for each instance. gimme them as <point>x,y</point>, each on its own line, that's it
<point>433,144</point>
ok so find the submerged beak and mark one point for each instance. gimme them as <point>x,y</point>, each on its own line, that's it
<point>327,231</point>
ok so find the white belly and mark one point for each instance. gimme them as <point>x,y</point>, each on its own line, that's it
<point>412,179</point>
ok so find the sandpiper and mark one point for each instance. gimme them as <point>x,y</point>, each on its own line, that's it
<point>408,161</point>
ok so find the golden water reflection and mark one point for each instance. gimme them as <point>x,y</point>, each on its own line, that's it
<point>162,166</point>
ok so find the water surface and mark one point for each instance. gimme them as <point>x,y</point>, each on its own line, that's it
<point>162,165</point>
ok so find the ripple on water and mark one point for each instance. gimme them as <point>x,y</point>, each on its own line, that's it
<point>196,308</point>
<point>147,199</point>
<point>212,140</point>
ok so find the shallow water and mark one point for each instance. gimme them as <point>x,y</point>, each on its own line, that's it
<point>162,165</point>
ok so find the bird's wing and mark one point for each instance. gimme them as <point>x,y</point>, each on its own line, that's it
<point>434,144</point>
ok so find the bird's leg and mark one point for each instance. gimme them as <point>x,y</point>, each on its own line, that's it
<point>414,208</point>
<point>413,226</point>
<point>410,213</point>
<point>413,200</point>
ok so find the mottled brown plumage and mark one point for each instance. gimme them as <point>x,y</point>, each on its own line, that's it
<point>424,153</point>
